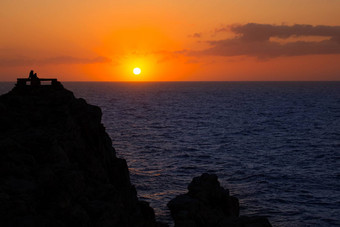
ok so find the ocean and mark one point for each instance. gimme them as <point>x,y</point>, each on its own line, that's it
<point>274,145</point>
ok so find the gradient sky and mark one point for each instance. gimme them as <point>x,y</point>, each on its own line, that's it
<point>224,40</point>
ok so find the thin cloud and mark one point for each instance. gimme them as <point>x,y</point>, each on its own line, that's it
<point>24,61</point>
<point>222,29</point>
<point>254,40</point>
<point>75,60</point>
<point>196,35</point>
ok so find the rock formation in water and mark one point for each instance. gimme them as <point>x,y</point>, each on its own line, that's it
<point>58,166</point>
<point>207,204</point>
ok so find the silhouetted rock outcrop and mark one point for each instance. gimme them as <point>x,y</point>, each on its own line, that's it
<point>207,204</point>
<point>58,167</point>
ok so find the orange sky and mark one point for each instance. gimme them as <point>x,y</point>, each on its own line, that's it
<point>222,40</point>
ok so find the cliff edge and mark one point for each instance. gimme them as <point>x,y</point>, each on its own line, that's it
<point>58,166</point>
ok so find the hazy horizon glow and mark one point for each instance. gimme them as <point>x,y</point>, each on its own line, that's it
<point>171,40</point>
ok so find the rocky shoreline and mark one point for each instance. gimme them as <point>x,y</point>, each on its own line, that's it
<point>209,204</point>
<point>58,168</point>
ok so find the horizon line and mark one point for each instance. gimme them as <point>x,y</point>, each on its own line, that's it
<point>179,81</point>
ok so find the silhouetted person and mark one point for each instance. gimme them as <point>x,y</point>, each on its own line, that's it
<point>34,79</point>
<point>32,75</point>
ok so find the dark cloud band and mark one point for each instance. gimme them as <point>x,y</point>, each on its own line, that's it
<point>254,40</point>
<point>262,32</point>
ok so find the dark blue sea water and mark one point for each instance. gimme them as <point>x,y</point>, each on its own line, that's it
<point>275,145</point>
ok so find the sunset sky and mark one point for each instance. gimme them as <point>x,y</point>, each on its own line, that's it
<point>170,40</point>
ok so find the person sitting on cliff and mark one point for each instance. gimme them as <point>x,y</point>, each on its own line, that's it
<point>34,79</point>
<point>33,75</point>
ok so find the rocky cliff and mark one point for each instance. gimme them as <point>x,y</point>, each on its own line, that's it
<point>58,167</point>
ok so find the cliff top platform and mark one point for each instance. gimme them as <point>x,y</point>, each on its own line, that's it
<point>34,80</point>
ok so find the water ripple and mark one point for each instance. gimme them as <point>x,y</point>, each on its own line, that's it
<point>274,145</point>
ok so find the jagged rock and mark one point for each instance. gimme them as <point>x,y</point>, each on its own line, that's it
<point>208,204</point>
<point>58,166</point>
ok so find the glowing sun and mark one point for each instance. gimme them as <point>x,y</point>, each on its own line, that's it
<point>137,71</point>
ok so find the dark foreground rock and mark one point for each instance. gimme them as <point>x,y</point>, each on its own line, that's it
<point>207,204</point>
<point>58,167</point>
